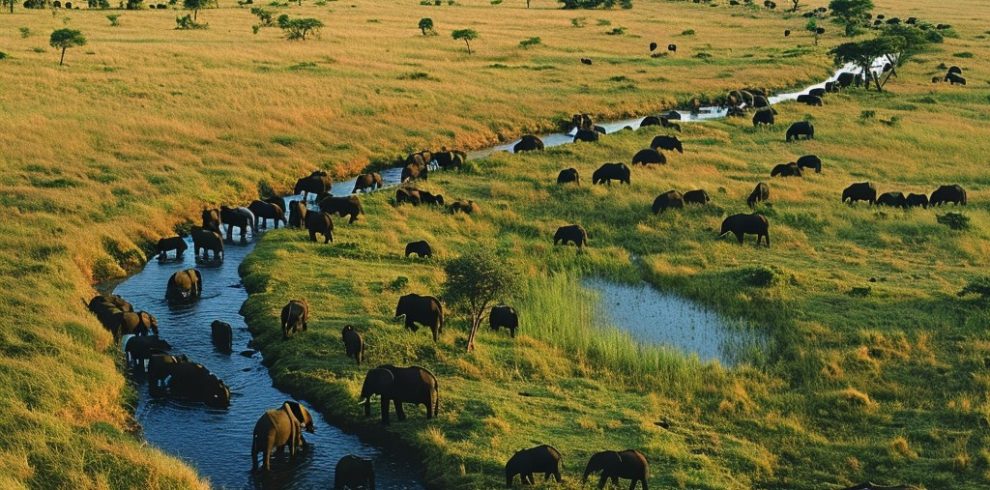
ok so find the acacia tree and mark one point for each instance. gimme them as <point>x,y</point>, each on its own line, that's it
<point>467,35</point>
<point>64,39</point>
<point>426,25</point>
<point>475,280</point>
<point>195,6</point>
<point>851,14</point>
<point>813,28</point>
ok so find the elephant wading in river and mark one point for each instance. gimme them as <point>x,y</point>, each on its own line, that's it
<point>742,224</point>
<point>277,429</point>
<point>319,222</point>
<point>207,241</point>
<point>366,182</point>
<point>171,243</point>
<point>528,143</point>
<point>264,211</point>
<point>629,464</point>
<point>222,336</point>
<point>353,343</point>
<point>586,135</point>
<point>571,233</point>
<point>504,316</point>
<point>540,459</point>
<point>211,220</point>
<point>133,323</point>
<point>343,206</point>
<point>318,183</point>
<point>194,382</point>
<point>400,385</point>
<point>295,315</point>
<point>609,172</point>
<point>160,367</point>
<point>297,214</point>
<point>354,472</point>
<point>425,310</point>
<point>139,349</point>
<point>184,285</point>
<point>241,218</point>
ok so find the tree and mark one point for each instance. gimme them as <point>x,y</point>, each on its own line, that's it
<point>467,35</point>
<point>298,29</point>
<point>795,4</point>
<point>475,280</point>
<point>114,20</point>
<point>64,39</point>
<point>813,28</point>
<point>851,13</point>
<point>195,6</point>
<point>863,54</point>
<point>426,25</point>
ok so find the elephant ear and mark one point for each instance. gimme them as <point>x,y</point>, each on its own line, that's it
<point>380,379</point>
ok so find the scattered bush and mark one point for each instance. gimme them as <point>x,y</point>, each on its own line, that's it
<point>979,286</point>
<point>426,26</point>
<point>3,55</point>
<point>398,284</point>
<point>618,31</point>
<point>592,4</point>
<point>860,292</point>
<point>759,276</point>
<point>25,32</point>
<point>689,32</point>
<point>64,39</point>
<point>964,54</point>
<point>867,115</point>
<point>533,41</point>
<point>578,22</point>
<point>298,29</point>
<point>186,22</point>
<point>956,221</point>
<point>114,20</point>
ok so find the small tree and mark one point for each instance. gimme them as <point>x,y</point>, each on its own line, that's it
<point>426,25</point>
<point>64,39</point>
<point>475,280</point>
<point>195,6</point>
<point>851,14</point>
<point>298,29</point>
<point>813,28</point>
<point>467,35</point>
<point>114,20</point>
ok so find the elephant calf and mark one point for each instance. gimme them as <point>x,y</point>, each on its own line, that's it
<point>916,200</point>
<point>630,464</point>
<point>466,207</point>
<point>568,175</point>
<point>222,335</point>
<point>571,233</point>
<point>742,224</point>
<point>353,343</point>
<point>540,459</point>
<point>761,193</point>
<point>421,248</point>
<point>279,428</point>
<point>295,314</point>
<point>649,156</point>
<point>400,385</point>
<point>504,316</point>
<point>165,245</point>
<point>354,472</point>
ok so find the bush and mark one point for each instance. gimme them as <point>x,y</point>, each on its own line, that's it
<point>979,286</point>
<point>689,32</point>
<point>593,4</point>
<point>759,276</point>
<point>25,32</point>
<point>956,221</point>
<point>3,55</point>
<point>187,22</point>
<point>578,22</point>
<point>298,29</point>
<point>618,31</point>
<point>533,41</point>
<point>114,20</point>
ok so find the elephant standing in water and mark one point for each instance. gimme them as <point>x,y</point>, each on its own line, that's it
<point>222,336</point>
<point>297,214</point>
<point>425,310</point>
<point>165,245</point>
<point>241,218</point>
<point>400,385</point>
<point>183,285</point>
<point>264,211</point>
<point>207,241</point>
<point>211,220</point>
<point>194,382</point>
<point>160,367</point>
<point>366,182</point>
<point>354,472</point>
<point>742,224</point>
<point>279,428</point>
<point>613,465</point>
<point>540,459</point>
<point>318,183</point>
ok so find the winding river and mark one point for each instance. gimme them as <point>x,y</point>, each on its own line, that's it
<point>217,442</point>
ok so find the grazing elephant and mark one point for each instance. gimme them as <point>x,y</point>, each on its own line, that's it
<point>528,143</point>
<point>845,79</point>
<point>667,143</point>
<point>697,196</point>
<point>222,335</point>
<point>207,241</point>
<point>366,182</point>
<point>812,100</point>
<point>664,122</point>
<point>354,472</point>
<point>450,159</point>
<point>763,117</point>
<point>295,315</point>
<point>586,135</point>
<point>786,170</point>
<point>801,128</point>
<point>466,207</point>
<point>613,465</point>
<point>160,367</point>
<point>571,233</point>
<point>343,206</point>
<point>609,172</point>
<point>134,323</point>
<point>893,199</point>
<point>318,183</point>
<point>586,61</point>
<point>400,385</point>
<point>425,310</point>
<point>540,459</point>
<point>787,32</point>
<point>742,224</point>
<point>810,161</point>
<point>353,343</point>
<point>504,316</point>
<point>184,285</point>
<point>421,248</point>
<point>279,428</point>
<point>817,92</point>
<point>569,175</point>
<point>916,200</point>
<point>653,46</point>
<point>862,191</point>
<point>211,220</point>
<point>761,193</point>
<point>760,102</point>
<point>194,382</point>
<point>408,194</point>
<point>649,121</point>
<point>139,349</point>
<point>264,211</point>
<point>649,156</point>
<point>831,87</point>
<point>426,197</point>
<point>176,243</point>
<point>414,171</point>
<point>241,218</point>
<point>948,193</point>
<point>319,222</point>
<point>297,214</point>
<point>669,199</point>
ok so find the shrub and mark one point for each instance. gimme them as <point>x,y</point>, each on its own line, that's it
<point>618,31</point>
<point>964,54</point>
<point>298,29</point>
<point>533,41</point>
<point>3,55</point>
<point>467,35</point>
<point>114,20</point>
<point>426,26</point>
<point>956,221</point>
<point>979,286</point>
<point>25,32</point>
<point>187,22</point>
<point>860,292</point>
<point>578,22</point>
<point>867,115</point>
<point>759,276</point>
<point>398,284</point>
<point>592,4</point>
<point>689,32</point>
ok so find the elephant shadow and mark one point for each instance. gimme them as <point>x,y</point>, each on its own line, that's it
<point>211,263</point>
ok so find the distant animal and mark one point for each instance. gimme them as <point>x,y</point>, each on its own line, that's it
<point>810,161</point>
<point>414,171</point>
<point>319,222</point>
<point>277,201</point>
<point>667,143</point>
<point>241,218</point>
<point>954,79</point>
<point>761,193</point>
<point>398,385</point>
<point>786,170</point>
<point>527,462</point>
<point>801,128</point>
<point>672,48</point>
<point>787,32</point>
<point>609,172</point>
<point>916,200</point>
<point>665,122</point>
<point>697,196</point>
<point>649,121</point>
<point>669,199</point>
<point>812,100</point>
<point>318,183</point>
<point>831,87</point>
<point>222,335</point>
<point>587,135</point>
<point>504,316</point>
<point>297,214</point>
<point>649,156</point>
<point>586,61</point>
<point>862,191</point>
<point>936,79</point>
<point>569,175</point>
<point>353,343</point>
<point>408,194</point>
<point>426,197</point>
<point>942,27</point>
<point>207,241</point>
<point>845,79</point>
<point>743,224</point>
<point>954,70</point>
<point>424,310</point>
<point>760,102</point>
<point>653,46</point>
<point>817,92</point>
<point>946,194</point>
<point>612,465</point>
<point>764,117</point>
<point>892,199</point>
<point>354,472</point>
<point>466,207</point>
<point>176,243</point>
<point>295,317</point>
<point>571,233</point>
<point>264,211</point>
<point>140,348</point>
<point>420,248</point>
<point>528,143</point>
<point>186,284</point>
<point>190,381</point>
<point>448,159</point>
<point>277,429</point>
<point>366,182</point>
<point>211,219</point>
<point>342,206</point>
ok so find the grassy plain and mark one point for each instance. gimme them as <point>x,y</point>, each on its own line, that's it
<point>145,124</point>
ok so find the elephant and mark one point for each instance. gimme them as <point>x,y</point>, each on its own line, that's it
<point>670,115</point>
<point>319,222</point>
<point>183,285</point>
<point>613,465</point>
<point>353,343</point>
<point>264,211</point>
<point>653,46</point>
<point>425,310</point>
<point>760,102</point>
<point>297,214</point>
<point>649,156</point>
<point>764,117</point>
<point>114,301</point>
<point>810,161</point>
<point>426,197</point>
<point>873,486</point>
<point>812,100</point>
<point>948,193</point>
<point>421,159</point>
<point>222,335</point>
<point>954,70</point>
<point>134,323</point>
<point>609,172</point>
<point>207,241</point>
<point>817,92</point>
<point>667,143</point>
<point>649,121</point>
<point>466,207</point>
<point>697,196</point>
<point>954,79</point>
<point>318,183</point>
<point>761,193</point>
<point>365,182</point>
<point>176,243</point>
<point>139,349</point>
<point>194,382</point>
<point>862,191</point>
<point>343,206</point>
<point>277,429</point>
<point>569,175</point>
<point>540,459</point>
<point>734,111</point>
<point>831,87</point>
<point>669,199</point>
<point>528,143</point>
<point>845,79</point>
<point>786,170</point>
<point>277,201</point>
<point>741,224</point>
<point>583,121</point>
<point>400,385</point>
<point>571,233</point>
<point>414,171</point>
<point>421,248</point>
<point>211,220</point>
<point>295,315</point>
<point>504,316</point>
<point>893,199</point>
<point>916,200</point>
<point>450,159</point>
<point>408,194</point>
<point>241,218</point>
<point>160,367</point>
<point>586,61</point>
<point>354,472</point>
<point>586,135</point>
<point>801,128</point>
<point>665,122</point>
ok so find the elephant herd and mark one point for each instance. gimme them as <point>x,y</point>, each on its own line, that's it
<point>629,464</point>
<point>866,191</point>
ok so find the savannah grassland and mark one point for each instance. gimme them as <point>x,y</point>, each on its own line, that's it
<point>146,124</point>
